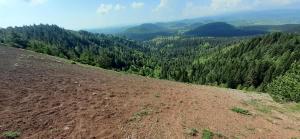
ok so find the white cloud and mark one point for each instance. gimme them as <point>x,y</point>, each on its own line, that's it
<point>137,5</point>
<point>274,2</point>
<point>119,7</point>
<point>227,5</point>
<point>15,2</point>
<point>162,4</point>
<point>104,8</point>
<point>194,9</point>
<point>36,2</point>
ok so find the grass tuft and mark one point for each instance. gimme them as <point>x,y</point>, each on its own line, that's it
<point>259,106</point>
<point>11,134</point>
<point>207,134</point>
<point>294,107</point>
<point>157,95</point>
<point>241,111</point>
<point>192,131</point>
<point>140,114</point>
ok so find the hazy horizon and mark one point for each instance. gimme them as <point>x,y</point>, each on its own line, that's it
<point>79,14</point>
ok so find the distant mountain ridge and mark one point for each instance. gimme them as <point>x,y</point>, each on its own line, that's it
<point>150,31</point>
<point>146,28</point>
<point>250,64</point>
<point>291,28</point>
<point>254,18</point>
<point>221,29</point>
<point>146,31</point>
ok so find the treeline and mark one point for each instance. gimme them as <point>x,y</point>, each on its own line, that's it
<point>286,87</point>
<point>172,58</point>
<point>95,49</point>
<point>268,63</point>
<point>250,65</point>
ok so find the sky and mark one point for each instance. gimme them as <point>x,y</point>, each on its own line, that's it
<point>84,14</point>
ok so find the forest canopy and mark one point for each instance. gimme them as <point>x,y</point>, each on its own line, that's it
<point>267,63</point>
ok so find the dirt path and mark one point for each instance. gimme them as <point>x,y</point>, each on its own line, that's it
<point>45,97</point>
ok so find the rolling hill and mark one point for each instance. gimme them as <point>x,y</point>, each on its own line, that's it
<point>291,28</point>
<point>146,32</point>
<point>146,28</point>
<point>81,46</point>
<point>263,17</point>
<point>261,20</point>
<point>239,62</point>
<point>48,97</point>
<point>221,29</point>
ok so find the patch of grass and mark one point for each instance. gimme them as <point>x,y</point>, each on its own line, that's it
<point>272,121</point>
<point>259,106</point>
<point>219,135</point>
<point>54,130</point>
<point>138,115</point>
<point>289,128</point>
<point>275,117</point>
<point>235,137</point>
<point>11,134</point>
<point>207,134</point>
<point>192,132</point>
<point>157,95</point>
<point>250,128</point>
<point>241,111</point>
<point>294,107</point>
<point>73,62</point>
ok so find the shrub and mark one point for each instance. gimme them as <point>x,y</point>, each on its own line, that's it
<point>192,132</point>
<point>241,111</point>
<point>11,134</point>
<point>287,87</point>
<point>138,115</point>
<point>207,134</point>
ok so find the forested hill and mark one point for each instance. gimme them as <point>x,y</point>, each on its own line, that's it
<point>221,29</point>
<point>258,63</point>
<point>251,64</point>
<point>146,32</point>
<point>95,49</point>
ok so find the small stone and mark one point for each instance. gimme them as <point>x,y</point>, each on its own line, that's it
<point>66,128</point>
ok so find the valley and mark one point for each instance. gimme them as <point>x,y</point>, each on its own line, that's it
<point>47,97</point>
<point>159,69</point>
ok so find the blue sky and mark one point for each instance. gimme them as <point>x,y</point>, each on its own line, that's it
<point>81,14</point>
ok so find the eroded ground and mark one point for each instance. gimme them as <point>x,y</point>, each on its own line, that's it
<point>45,97</point>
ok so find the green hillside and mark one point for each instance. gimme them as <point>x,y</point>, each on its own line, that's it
<point>236,62</point>
<point>221,29</point>
<point>105,51</point>
<point>291,28</point>
<point>251,64</point>
<point>146,32</point>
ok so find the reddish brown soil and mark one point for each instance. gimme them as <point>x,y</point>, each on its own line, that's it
<point>45,97</point>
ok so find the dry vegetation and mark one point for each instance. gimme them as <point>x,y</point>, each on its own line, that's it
<point>46,97</point>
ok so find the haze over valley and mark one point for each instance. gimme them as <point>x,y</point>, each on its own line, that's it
<point>103,69</point>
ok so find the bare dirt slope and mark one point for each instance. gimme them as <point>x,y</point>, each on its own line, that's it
<point>45,97</point>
